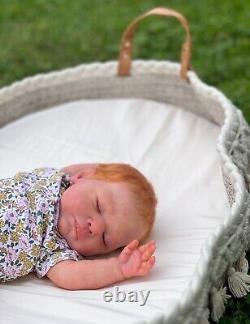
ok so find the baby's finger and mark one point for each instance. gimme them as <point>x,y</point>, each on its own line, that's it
<point>147,265</point>
<point>143,247</point>
<point>152,260</point>
<point>148,252</point>
<point>131,246</point>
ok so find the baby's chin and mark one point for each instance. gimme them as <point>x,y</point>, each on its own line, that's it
<point>90,253</point>
<point>74,245</point>
<point>101,255</point>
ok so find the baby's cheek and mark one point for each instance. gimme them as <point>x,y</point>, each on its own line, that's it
<point>67,202</point>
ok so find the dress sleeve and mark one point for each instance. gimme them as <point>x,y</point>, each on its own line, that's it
<point>48,259</point>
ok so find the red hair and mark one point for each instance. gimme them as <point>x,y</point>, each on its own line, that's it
<point>142,189</point>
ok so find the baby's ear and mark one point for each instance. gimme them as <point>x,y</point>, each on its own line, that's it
<point>86,172</point>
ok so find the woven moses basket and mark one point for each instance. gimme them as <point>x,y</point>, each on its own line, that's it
<point>222,268</point>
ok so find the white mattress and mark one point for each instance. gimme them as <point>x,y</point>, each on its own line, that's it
<point>175,149</point>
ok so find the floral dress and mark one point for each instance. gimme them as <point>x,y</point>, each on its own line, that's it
<point>29,212</point>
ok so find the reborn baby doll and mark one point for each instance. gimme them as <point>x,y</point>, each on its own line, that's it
<point>51,219</point>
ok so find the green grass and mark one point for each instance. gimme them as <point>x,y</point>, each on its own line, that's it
<point>44,35</point>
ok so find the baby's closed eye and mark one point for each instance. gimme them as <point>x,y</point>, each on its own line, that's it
<point>98,208</point>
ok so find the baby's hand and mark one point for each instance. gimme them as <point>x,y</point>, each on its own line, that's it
<point>137,261</point>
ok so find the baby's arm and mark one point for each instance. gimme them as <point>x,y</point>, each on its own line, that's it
<point>94,274</point>
<point>85,274</point>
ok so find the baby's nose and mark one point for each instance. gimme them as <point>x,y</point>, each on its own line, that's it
<point>95,226</point>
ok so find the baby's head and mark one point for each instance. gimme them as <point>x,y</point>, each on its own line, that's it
<point>106,207</point>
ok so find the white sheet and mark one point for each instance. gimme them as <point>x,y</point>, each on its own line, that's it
<point>175,149</point>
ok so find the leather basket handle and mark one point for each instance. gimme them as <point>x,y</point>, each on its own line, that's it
<point>124,64</point>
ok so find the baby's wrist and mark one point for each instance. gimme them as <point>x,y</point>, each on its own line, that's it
<point>118,270</point>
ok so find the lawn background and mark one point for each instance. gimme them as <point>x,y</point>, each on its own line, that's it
<point>38,36</point>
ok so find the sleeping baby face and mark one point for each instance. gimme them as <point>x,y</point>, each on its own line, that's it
<point>97,217</point>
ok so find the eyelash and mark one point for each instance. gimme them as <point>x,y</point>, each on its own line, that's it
<point>98,207</point>
<point>99,211</point>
